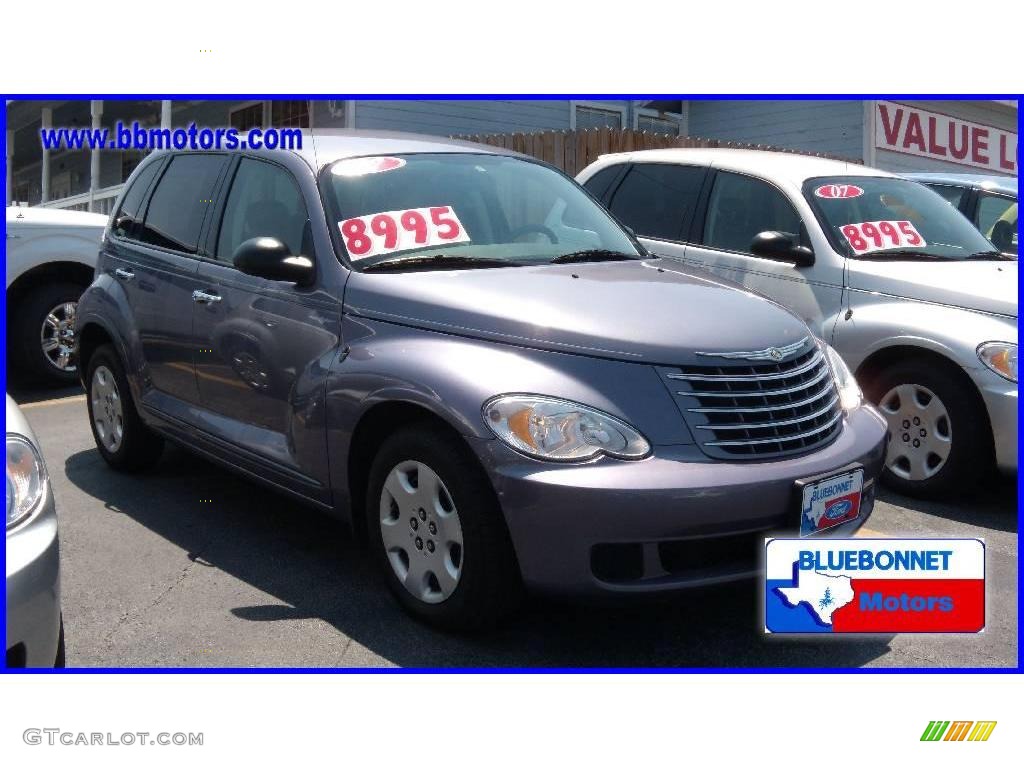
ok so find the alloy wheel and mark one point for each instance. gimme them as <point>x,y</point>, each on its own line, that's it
<point>107,411</point>
<point>421,531</point>
<point>920,432</point>
<point>57,336</point>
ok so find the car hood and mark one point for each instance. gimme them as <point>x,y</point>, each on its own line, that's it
<point>983,286</point>
<point>651,311</point>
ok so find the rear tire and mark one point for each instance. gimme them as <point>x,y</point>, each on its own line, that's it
<point>42,317</point>
<point>448,559</point>
<point>60,661</point>
<point>940,443</point>
<point>124,442</point>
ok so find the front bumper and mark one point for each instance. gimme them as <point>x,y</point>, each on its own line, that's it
<point>1001,403</point>
<point>674,520</point>
<point>33,590</point>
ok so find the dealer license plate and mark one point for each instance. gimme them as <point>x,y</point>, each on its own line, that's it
<point>830,502</point>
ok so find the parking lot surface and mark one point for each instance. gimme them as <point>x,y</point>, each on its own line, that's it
<point>188,565</point>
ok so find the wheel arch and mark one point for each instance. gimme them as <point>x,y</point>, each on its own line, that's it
<point>50,272</point>
<point>373,427</point>
<point>879,360</point>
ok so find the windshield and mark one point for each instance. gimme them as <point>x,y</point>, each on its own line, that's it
<point>458,209</point>
<point>877,216</point>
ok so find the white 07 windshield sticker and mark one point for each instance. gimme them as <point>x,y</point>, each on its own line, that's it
<point>387,232</point>
<point>871,236</point>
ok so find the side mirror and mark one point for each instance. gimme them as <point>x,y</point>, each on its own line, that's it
<point>782,246</point>
<point>269,258</point>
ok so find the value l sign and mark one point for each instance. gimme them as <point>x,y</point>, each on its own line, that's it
<point>912,131</point>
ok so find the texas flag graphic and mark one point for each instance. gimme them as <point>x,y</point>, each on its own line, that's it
<point>874,585</point>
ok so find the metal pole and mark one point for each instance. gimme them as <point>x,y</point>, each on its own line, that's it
<point>46,115</point>
<point>94,160</point>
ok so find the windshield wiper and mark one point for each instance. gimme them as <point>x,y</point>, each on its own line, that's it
<point>438,261</point>
<point>989,256</point>
<point>901,254</point>
<point>593,254</point>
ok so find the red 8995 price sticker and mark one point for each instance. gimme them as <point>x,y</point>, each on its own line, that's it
<point>396,231</point>
<point>871,236</point>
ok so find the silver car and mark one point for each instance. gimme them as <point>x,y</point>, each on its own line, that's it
<point>35,632</point>
<point>916,301</point>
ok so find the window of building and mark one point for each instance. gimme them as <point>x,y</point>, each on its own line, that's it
<point>657,200</point>
<point>742,207</point>
<point>127,215</point>
<point>178,207</point>
<point>264,202</point>
<point>595,116</point>
<point>289,114</point>
<point>653,122</point>
<point>249,116</point>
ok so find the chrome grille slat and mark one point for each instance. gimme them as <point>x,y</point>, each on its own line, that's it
<point>767,424</point>
<point>761,408</point>
<point>831,423</point>
<point>815,359</point>
<point>763,392</point>
<point>759,405</point>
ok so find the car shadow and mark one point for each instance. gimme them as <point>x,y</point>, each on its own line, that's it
<point>993,504</point>
<point>313,568</point>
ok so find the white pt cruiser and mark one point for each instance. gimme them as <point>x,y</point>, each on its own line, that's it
<point>915,299</point>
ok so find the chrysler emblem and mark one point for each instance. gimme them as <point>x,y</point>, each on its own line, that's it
<point>775,353</point>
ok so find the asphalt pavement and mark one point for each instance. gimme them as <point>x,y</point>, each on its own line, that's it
<point>188,565</point>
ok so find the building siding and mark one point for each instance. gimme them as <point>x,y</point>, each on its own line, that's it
<point>454,117</point>
<point>824,125</point>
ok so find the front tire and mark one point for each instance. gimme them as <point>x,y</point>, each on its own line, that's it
<point>438,533</point>
<point>124,442</point>
<point>940,443</point>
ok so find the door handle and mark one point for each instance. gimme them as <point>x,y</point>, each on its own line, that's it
<point>202,297</point>
<point>123,274</point>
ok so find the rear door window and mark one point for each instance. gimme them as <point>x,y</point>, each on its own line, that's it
<point>741,207</point>
<point>657,199</point>
<point>953,195</point>
<point>997,220</point>
<point>178,207</point>
<point>127,217</point>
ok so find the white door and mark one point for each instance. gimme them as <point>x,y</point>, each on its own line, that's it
<point>739,208</point>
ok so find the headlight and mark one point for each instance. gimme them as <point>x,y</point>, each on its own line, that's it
<point>559,430</point>
<point>26,479</point>
<point>1001,357</point>
<point>850,395</point>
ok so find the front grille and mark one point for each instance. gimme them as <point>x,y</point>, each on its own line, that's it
<point>753,409</point>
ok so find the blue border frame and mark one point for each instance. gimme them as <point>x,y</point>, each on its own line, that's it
<point>513,670</point>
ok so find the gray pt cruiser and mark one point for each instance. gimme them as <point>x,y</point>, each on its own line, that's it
<point>457,350</point>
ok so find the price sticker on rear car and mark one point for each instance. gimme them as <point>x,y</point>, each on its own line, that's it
<point>871,236</point>
<point>395,231</point>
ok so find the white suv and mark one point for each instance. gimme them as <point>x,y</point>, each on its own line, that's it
<point>51,255</point>
<point>914,298</point>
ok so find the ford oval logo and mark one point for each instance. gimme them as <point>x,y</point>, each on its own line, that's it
<point>839,509</point>
<point>838,191</point>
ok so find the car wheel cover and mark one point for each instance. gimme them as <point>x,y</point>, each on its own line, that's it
<point>921,434</point>
<point>57,336</point>
<point>421,531</point>
<point>107,411</point>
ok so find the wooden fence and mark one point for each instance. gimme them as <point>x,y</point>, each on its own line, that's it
<point>572,151</point>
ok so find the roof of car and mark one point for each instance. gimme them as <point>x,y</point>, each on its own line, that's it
<point>779,166</point>
<point>320,147</point>
<point>1006,184</point>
